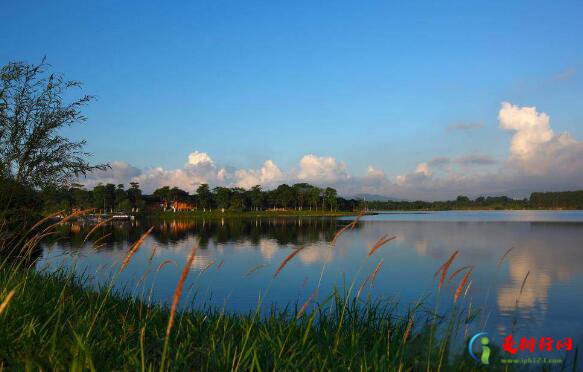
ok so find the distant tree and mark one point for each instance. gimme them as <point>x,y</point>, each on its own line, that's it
<point>314,197</point>
<point>204,196</point>
<point>222,196</point>
<point>33,112</point>
<point>330,196</point>
<point>238,199</point>
<point>135,196</point>
<point>256,197</point>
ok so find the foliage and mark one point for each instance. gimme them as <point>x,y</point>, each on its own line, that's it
<point>55,323</point>
<point>33,111</point>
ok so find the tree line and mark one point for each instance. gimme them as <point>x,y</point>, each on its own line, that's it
<point>116,198</point>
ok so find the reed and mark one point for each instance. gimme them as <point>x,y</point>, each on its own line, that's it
<point>254,269</point>
<point>462,284</point>
<point>307,303</point>
<point>503,257</point>
<point>350,226</point>
<point>164,263</point>
<point>445,267</point>
<point>382,241</point>
<point>286,260</point>
<point>175,300</point>
<point>134,248</point>
<point>97,225</point>
<point>6,300</point>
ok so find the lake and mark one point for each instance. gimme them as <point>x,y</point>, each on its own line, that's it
<point>237,259</point>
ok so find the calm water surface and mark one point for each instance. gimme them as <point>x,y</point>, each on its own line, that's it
<point>238,257</point>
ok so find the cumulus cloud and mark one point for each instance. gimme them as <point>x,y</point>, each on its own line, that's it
<point>538,159</point>
<point>314,168</point>
<point>267,175</point>
<point>531,129</point>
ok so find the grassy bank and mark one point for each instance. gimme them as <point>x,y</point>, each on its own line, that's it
<point>54,323</point>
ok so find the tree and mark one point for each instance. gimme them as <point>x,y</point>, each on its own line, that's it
<point>204,196</point>
<point>222,196</point>
<point>256,197</point>
<point>330,197</point>
<point>33,111</point>
<point>314,197</point>
<point>135,196</point>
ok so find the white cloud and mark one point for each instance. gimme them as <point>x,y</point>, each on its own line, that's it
<point>324,169</point>
<point>200,158</point>
<point>267,175</point>
<point>538,160</point>
<point>531,129</point>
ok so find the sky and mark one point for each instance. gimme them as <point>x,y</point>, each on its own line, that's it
<point>411,100</point>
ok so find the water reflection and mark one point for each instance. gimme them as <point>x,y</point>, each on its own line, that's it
<point>550,252</point>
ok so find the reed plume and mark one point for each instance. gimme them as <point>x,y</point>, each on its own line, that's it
<point>408,330</point>
<point>350,226</point>
<point>382,241</point>
<point>503,257</point>
<point>444,267</point>
<point>178,290</point>
<point>254,269</point>
<point>164,264</point>
<point>458,271</point>
<point>7,299</point>
<point>307,303</point>
<point>462,284</point>
<point>287,259</point>
<point>101,238</point>
<point>524,282</point>
<point>373,276</point>
<point>95,228</point>
<point>134,249</point>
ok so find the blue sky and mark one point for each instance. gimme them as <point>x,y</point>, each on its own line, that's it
<point>374,84</point>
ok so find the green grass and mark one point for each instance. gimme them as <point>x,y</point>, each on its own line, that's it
<point>55,323</point>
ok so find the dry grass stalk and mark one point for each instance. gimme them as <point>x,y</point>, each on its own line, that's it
<point>178,290</point>
<point>143,277</point>
<point>382,241</point>
<point>443,268</point>
<point>7,299</point>
<point>134,249</point>
<point>220,264</point>
<point>154,250</point>
<point>408,330</point>
<point>101,238</point>
<point>165,263</point>
<point>96,227</point>
<point>287,259</point>
<point>350,226</point>
<point>462,284</point>
<point>524,282</point>
<point>468,288</point>
<point>307,303</point>
<point>69,217</point>
<point>362,286</point>
<point>458,271</point>
<point>503,257</point>
<point>46,219</point>
<point>207,266</point>
<point>254,269</point>
<point>374,274</point>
